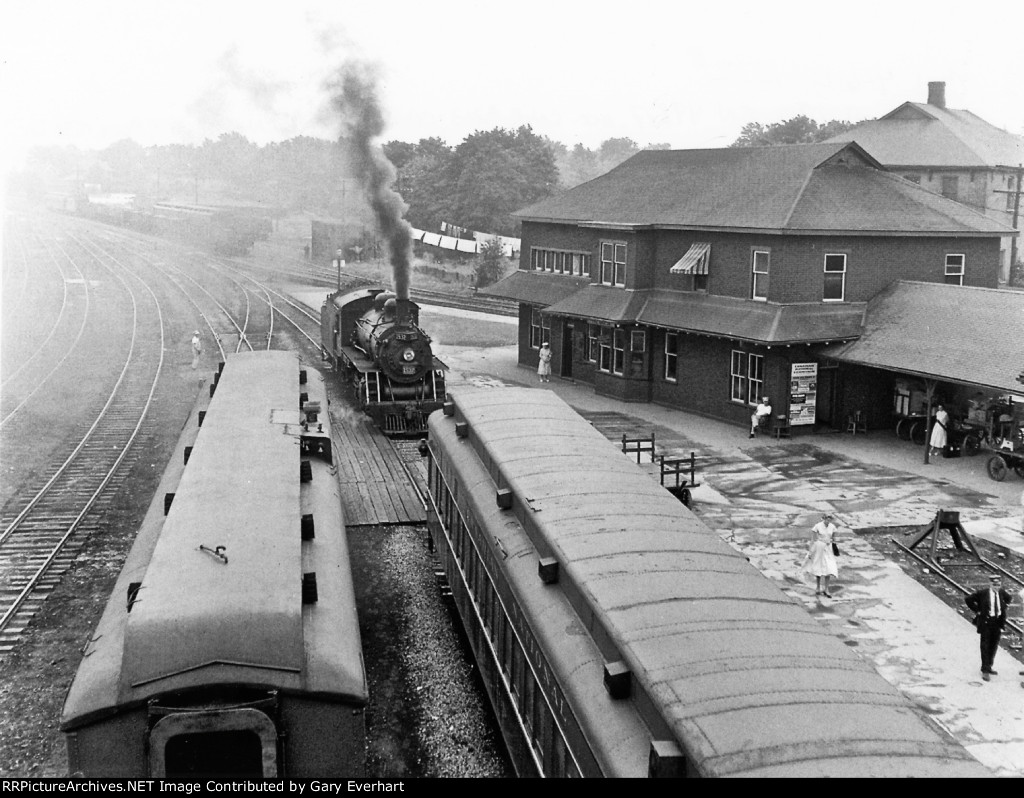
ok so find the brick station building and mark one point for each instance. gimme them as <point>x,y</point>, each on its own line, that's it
<point>706,279</point>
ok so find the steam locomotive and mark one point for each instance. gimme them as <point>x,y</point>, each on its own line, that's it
<point>374,339</point>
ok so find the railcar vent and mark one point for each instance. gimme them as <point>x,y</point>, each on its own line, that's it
<point>503,496</point>
<point>188,454</point>
<point>302,376</point>
<point>547,568</point>
<point>308,532</point>
<point>303,398</point>
<point>448,408</point>
<point>133,593</point>
<point>666,760</point>
<point>309,595</point>
<point>168,499</point>
<point>305,471</point>
<point>202,415</point>
<point>213,388</point>
<point>462,429</point>
<point>220,367</point>
<point>617,678</point>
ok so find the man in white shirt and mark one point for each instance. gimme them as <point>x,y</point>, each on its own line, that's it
<point>990,605</point>
<point>761,415</point>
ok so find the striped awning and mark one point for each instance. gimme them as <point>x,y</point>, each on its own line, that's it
<point>695,261</point>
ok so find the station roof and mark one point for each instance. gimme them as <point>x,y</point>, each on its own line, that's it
<point>959,334</point>
<point>686,311</point>
<point>814,189</point>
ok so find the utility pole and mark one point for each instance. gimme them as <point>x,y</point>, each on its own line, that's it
<point>1019,174</point>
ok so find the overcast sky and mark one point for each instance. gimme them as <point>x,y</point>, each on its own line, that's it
<point>91,72</point>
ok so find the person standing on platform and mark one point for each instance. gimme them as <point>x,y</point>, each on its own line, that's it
<point>197,348</point>
<point>989,606</point>
<point>821,559</point>
<point>544,363</point>
<point>939,437</point>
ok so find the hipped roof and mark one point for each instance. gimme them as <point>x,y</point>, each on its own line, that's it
<point>805,188</point>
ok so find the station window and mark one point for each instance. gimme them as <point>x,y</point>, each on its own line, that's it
<point>954,269</point>
<point>747,377</point>
<point>760,265</point>
<point>671,355</point>
<point>613,263</point>
<point>593,342</point>
<point>540,329</point>
<point>835,278</point>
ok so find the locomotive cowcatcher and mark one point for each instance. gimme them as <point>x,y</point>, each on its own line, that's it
<point>374,341</point>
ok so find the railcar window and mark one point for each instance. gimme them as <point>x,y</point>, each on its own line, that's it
<point>529,696</point>
<point>508,645</point>
<point>558,757</point>
<point>235,753</point>
<point>517,674</point>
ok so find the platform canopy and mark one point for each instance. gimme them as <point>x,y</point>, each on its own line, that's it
<point>958,334</point>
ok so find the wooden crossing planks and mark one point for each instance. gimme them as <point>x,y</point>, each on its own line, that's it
<point>375,487</point>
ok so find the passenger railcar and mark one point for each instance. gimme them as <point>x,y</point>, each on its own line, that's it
<point>374,340</point>
<point>618,636</point>
<point>230,646</point>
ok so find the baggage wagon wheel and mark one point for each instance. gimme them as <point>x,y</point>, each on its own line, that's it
<point>1018,469</point>
<point>972,445</point>
<point>903,429</point>
<point>919,432</point>
<point>996,468</point>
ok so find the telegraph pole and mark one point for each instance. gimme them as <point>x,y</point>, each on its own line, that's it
<point>1019,172</point>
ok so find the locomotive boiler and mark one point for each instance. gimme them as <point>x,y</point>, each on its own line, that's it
<point>373,338</point>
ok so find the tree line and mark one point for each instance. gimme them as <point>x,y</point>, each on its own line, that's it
<point>476,184</point>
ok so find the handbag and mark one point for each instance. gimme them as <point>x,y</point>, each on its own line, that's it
<point>835,549</point>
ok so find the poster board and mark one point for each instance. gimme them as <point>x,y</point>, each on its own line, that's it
<point>803,393</point>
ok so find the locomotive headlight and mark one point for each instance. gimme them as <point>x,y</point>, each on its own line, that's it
<point>408,355</point>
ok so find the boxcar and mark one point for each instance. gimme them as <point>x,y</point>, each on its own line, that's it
<point>230,645</point>
<point>619,636</point>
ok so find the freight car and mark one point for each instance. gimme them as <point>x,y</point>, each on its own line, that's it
<point>616,635</point>
<point>225,231</point>
<point>230,646</point>
<point>374,340</point>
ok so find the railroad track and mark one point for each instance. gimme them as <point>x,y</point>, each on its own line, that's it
<point>44,525</point>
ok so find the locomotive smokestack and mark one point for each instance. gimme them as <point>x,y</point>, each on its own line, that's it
<point>354,96</point>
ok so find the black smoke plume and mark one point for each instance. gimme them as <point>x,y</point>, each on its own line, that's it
<point>354,97</point>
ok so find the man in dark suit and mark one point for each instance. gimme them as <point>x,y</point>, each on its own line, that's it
<point>989,605</point>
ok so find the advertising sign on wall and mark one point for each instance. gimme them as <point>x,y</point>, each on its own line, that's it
<point>803,393</point>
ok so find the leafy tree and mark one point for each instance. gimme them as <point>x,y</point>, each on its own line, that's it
<point>490,263</point>
<point>497,172</point>
<point>798,130</point>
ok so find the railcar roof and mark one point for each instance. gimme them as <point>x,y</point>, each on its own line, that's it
<point>194,608</point>
<point>199,619</point>
<point>742,674</point>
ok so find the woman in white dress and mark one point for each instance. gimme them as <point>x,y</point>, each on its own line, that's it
<point>939,437</point>
<point>820,561</point>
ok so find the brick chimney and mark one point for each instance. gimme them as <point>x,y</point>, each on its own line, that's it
<point>937,93</point>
